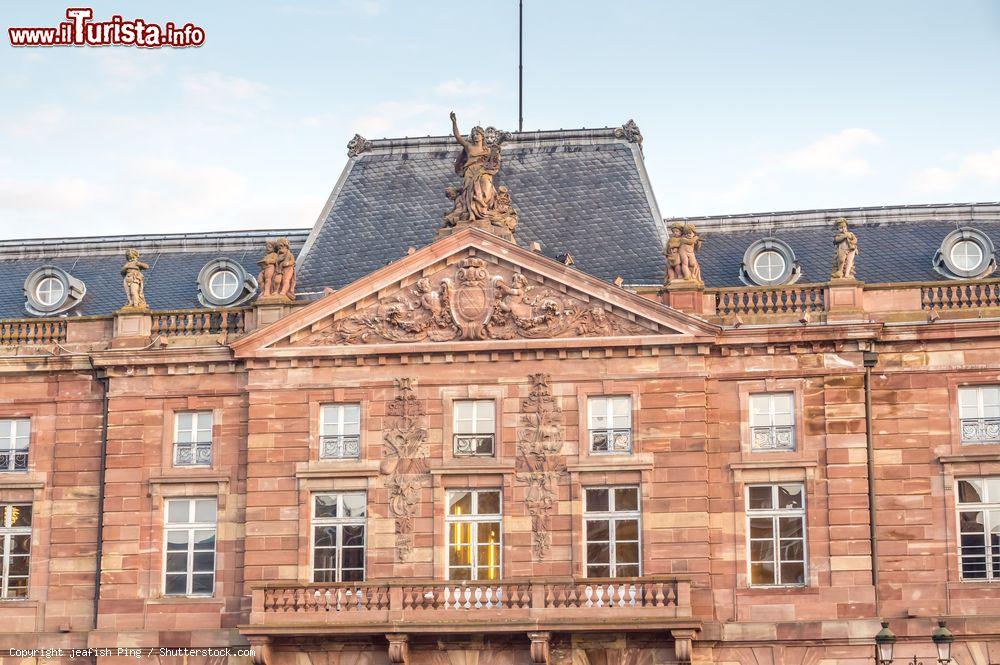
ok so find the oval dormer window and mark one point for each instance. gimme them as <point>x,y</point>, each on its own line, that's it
<point>965,254</point>
<point>769,262</point>
<point>51,290</point>
<point>224,282</point>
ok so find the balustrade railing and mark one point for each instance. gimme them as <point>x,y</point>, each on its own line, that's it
<point>182,323</point>
<point>980,430</point>
<point>26,332</point>
<point>778,300</point>
<point>960,295</point>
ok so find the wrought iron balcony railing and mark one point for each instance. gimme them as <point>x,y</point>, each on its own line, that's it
<point>193,453</point>
<point>474,444</point>
<point>343,446</point>
<point>980,430</point>
<point>611,440</point>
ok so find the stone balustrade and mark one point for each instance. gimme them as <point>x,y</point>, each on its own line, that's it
<point>407,606</point>
<point>32,332</point>
<point>793,299</point>
<point>186,323</point>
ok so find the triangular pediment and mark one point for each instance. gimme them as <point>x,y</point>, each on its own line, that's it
<point>471,290</point>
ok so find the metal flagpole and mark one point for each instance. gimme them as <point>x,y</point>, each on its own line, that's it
<point>520,65</point>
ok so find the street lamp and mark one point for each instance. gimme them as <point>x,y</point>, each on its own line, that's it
<point>885,640</point>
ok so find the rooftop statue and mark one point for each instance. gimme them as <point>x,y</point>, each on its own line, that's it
<point>134,281</point>
<point>846,244</point>
<point>681,253</point>
<point>478,202</point>
<point>277,272</point>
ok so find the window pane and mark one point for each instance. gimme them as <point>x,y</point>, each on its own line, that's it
<point>202,584</point>
<point>760,497</point>
<point>20,515</point>
<point>761,550</point>
<point>760,410</point>
<point>792,573</point>
<point>489,503</point>
<point>326,505</point>
<point>325,536</point>
<point>627,553</point>
<point>791,550</point>
<point>204,539</point>
<point>352,535</point>
<point>597,530</point>
<point>18,565</point>
<point>761,527</point>
<point>204,510</point>
<point>177,540</point>
<point>353,505</point>
<point>598,553</point>
<point>177,562</point>
<point>324,558</point>
<point>790,527</point>
<point>353,557</point>
<point>598,413</point>
<point>992,490</point>
<point>627,530</point>
<point>19,544</point>
<point>626,498</point>
<point>488,532</point>
<point>178,512</point>
<point>762,573</point>
<point>598,571</point>
<point>463,411</point>
<point>17,588</point>
<point>21,428</point>
<point>789,496</point>
<point>597,500</point>
<point>459,503</point>
<point>460,574</point>
<point>203,562</point>
<point>353,575</point>
<point>175,585</point>
<point>628,571</point>
<point>621,412</point>
<point>970,491</point>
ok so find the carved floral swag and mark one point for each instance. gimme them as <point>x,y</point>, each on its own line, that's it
<point>404,464</point>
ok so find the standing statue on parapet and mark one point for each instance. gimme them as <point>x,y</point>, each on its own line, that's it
<point>673,253</point>
<point>846,244</point>
<point>286,270</point>
<point>478,202</point>
<point>268,266</point>
<point>690,244</point>
<point>134,281</point>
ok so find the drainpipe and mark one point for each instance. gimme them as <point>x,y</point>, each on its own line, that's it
<point>870,360</point>
<point>103,380</point>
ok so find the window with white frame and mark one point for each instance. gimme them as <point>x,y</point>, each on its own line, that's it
<point>14,435</point>
<point>776,534</point>
<point>339,536</point>
<point>979,528</point>
<point>340,431</point>
<point>189,565</point>
<point>474,540</point>
<point>772,421</point>
<point>193,439</point>
<point>612,523</point>
<point>15,547</point>
<point>475,427</point>
<point>979,412</point>
<point>610,424</point>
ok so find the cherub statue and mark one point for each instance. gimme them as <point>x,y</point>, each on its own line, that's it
<point>690,243</point>
<point>134,281</point>
<point>268,266</point>
<point>503,213</point>
<point>846,244</point>
<point>673,252</point>
<point>286,270</point>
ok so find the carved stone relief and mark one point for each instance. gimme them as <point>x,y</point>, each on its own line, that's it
<point>358,145</point>
<point>630,132</point>
<point>476,301</point>
<point>540,462</point>
<point>404,463</point>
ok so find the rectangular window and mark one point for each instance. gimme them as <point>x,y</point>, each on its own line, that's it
<point>473,525</point>
<point>193,440</point>
<point>772,421</point>
<point>979,528</point>
<point>475,427</point>
<point>610,424</point>
<point>14,434</point>
<point>611,520</point>
<point>340,431</point>
<point>339,537</point>
<point>979,411</point>
<point>189,567</point>
<point>15,547</point>
<point>776,535</point>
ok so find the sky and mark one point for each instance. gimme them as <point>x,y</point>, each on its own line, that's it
<point>743,106</point>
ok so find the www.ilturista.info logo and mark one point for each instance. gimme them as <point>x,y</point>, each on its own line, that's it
<point>80,30</point>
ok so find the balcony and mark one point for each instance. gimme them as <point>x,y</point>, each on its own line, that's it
<point>550,604</point>
<point>980,430</point>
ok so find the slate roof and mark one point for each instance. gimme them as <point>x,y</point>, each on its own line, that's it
<point>580,191</point>
<point>171,281</point>
<point>896,244</point>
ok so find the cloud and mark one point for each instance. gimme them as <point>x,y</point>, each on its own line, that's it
<point>459,88</point>
<point>44,199</point>
<point>978,168</point>
<point>37,123</point>
<point>222,92</point>
<point>127,68</point>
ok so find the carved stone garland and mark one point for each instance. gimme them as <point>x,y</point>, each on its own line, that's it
<point>474,305</point>
<point>404,465</point>
<point>540,462</point>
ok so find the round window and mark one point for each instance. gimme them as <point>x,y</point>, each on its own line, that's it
<point>49,291</point>
<point>769,265</point>
<point>966,255</point>
<point>223,284</point>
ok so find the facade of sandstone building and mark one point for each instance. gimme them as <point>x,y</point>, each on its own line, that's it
<point>586,470</point>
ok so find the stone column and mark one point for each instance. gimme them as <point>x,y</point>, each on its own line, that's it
<point>685,296</point>
<point>539,648</point>
<point>683,644</point>
<point>399,648</point>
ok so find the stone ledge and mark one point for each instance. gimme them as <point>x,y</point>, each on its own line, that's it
<point>969,458</point>
<point>220,480</point>
<point>338,469</point>
<point>478,469</point>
